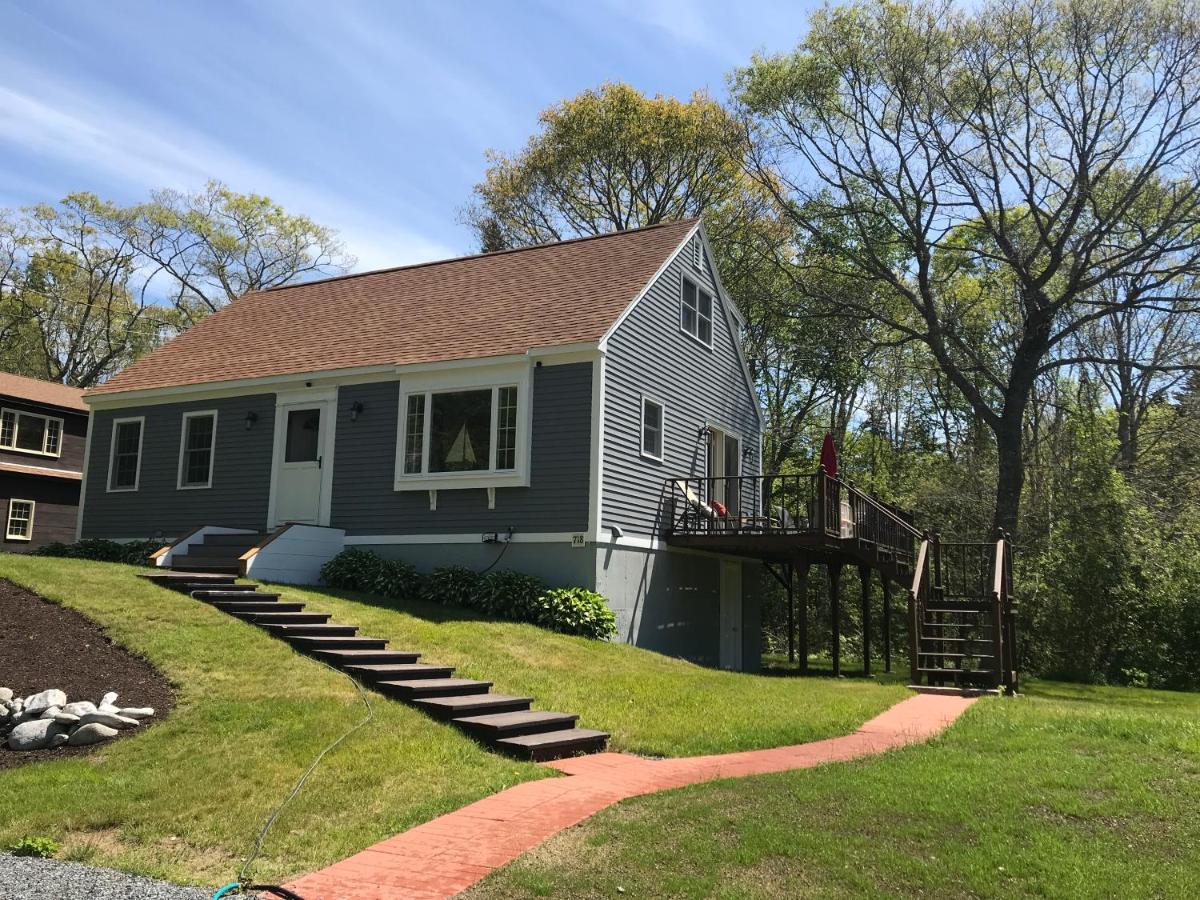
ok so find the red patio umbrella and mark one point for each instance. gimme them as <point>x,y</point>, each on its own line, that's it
<point>829,456</point>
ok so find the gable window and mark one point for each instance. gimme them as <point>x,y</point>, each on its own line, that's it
<point>125,454</point>
<point>652,429</point>
<point>197,449</point>
<point>19,524</point>
<point>696,312</point>
<point>697,252</point>
<point>30,432</point>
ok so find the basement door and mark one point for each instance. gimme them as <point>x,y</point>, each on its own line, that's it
<point>300,461</point>
<point>731,615</point>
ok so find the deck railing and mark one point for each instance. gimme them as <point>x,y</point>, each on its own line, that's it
<point>789,504</point>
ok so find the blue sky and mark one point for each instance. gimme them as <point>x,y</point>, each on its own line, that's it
<point>373,118</point>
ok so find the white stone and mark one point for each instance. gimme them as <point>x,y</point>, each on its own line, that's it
<point>65,718</point>
<point>33,735</point>
<point>92,733</point>
<point>50,713</point>
<point>58,739</point>
<point>134,712</point>
<point>108,699</point>
<point>44,700</point>
<point>110,719</point>
<point>80,708</point>
<point>6,693</point>
<point>109,708</point>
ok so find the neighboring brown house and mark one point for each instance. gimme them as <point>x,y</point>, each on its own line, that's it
<point>43,431</point>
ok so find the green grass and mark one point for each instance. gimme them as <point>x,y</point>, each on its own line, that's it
<point>1067,791</point>
<point>185,798</point>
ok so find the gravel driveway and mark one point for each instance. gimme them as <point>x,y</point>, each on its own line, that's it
<point>29,878</point>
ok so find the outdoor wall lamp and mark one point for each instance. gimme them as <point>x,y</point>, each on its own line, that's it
<point>355,408</point>
<point>251,418</point>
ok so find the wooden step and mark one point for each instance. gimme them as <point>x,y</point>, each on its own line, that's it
<point>217,551</point>
<point>326,630</point>
<point>171,578</point>
<point>398,671</point>
<point>312,642</point>
<point>285,617</point>
<point>553,744</point>
<point>956,655</point>
<point>234,539</point>
<point>239,607</point>
<point>471,705</point>
<point>511,724</point>
<point>433,687</point>
<point>210,596</point>
<point>350,656</point>
<point>190,587</point>
<point>204,565</point>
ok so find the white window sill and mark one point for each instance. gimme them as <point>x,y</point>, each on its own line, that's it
<point>22,450</point>
<point>465,480</point>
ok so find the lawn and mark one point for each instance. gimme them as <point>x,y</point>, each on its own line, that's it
<point>185,799</point>
<point>1066,791</point>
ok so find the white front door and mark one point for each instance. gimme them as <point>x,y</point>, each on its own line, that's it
<point>299,462</point>
<point>731,615</point>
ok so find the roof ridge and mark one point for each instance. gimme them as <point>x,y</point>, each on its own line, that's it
<point>454,259</point>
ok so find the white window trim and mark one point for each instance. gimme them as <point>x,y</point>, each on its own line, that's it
<point>112,454</point>
<point>712,317</point>
<point>698,253</point>
<point>662,428</point>
<point>9,535</point>
<point>17,413</point>
<point>466,379</point>
<point>212,451</point>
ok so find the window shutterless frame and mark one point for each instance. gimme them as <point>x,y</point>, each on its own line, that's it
<point>140,421</point>
<point>18,525</point>
<point>186,452</point>
<point>656,433</point>
<point>50,443</point>
<point>696,310</point>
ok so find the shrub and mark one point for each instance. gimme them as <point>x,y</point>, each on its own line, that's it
<point>134,553</point>
<point>41,847</point>
<point>455,586</point>
<point>361,570</point>
<point>576,611</point>
<point>511,595</point>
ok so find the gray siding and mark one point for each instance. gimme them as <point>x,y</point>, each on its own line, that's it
<point>649,354</point>
<point>241,473</point>
<point>365,500</point>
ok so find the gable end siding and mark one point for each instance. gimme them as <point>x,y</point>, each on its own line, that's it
<point>649,355</point>
<point>365,501</point>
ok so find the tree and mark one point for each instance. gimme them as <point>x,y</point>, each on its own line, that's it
<point>1051,146</point>
<point>209,247</point>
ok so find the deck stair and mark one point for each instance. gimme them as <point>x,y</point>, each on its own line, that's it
<point>217,554</point>
<point>501,721</point>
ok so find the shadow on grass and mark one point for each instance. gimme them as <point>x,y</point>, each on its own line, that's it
<point>434,613</point>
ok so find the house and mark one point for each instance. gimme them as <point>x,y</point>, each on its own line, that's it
<point>527,409</point>
<point>43,430</point>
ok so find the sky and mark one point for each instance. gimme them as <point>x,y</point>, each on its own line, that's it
<point>373,118</point>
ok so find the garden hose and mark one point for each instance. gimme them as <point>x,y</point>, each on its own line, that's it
<point>237,887</point>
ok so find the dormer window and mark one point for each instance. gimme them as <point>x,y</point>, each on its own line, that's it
<point>696,312</point>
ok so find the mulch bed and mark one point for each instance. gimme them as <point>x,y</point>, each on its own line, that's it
<point>44,645</point>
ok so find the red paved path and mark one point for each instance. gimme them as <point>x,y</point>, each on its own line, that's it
<point>449,854</point>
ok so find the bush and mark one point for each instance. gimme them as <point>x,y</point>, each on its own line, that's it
<point>511,595</point>
<point>41,847</point>
<point>134,553</point>
<point>454,586</point>
<point>361,570</point>
<point>576,611</point>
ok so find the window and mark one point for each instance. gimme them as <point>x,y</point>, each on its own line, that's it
<point>466,431</point>
<point>696,312</point>
<point>19,525</point>
<point>652,429</point>
<point>30,432</point>
<point>125,455</point>
<point>197,448</point>
<point>303,436</point>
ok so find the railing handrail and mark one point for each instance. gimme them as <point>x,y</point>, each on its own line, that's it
<point>919,568</point>
<point>879,505</point>
<point>998,569</point>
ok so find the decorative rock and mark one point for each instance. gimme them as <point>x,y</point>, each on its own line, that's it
<point>50,713</point>
<point>58,739</point>
<point>6,693</point>
<point>65,718</point>
<point>92,733</point>
<point>134,712</point>
<point>80,708</point>
<point>110,719</point>
<point>33,735</point>
<point>109,699</point>
<point>44,700</point>
<point>109,708</point>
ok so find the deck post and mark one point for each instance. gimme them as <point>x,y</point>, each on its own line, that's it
<point>835,614</point>
<point>887,623</point>
<point>802,594</point>
<point>791,594</point>
<point>864,576</point>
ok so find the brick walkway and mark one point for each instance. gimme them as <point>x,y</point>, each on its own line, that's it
<point>449,854</point>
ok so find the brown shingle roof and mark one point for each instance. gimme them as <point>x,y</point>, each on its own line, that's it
<point>37,391</point>
<point>494,304</point>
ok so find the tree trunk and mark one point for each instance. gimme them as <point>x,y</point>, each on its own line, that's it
<point>1011,473</point>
